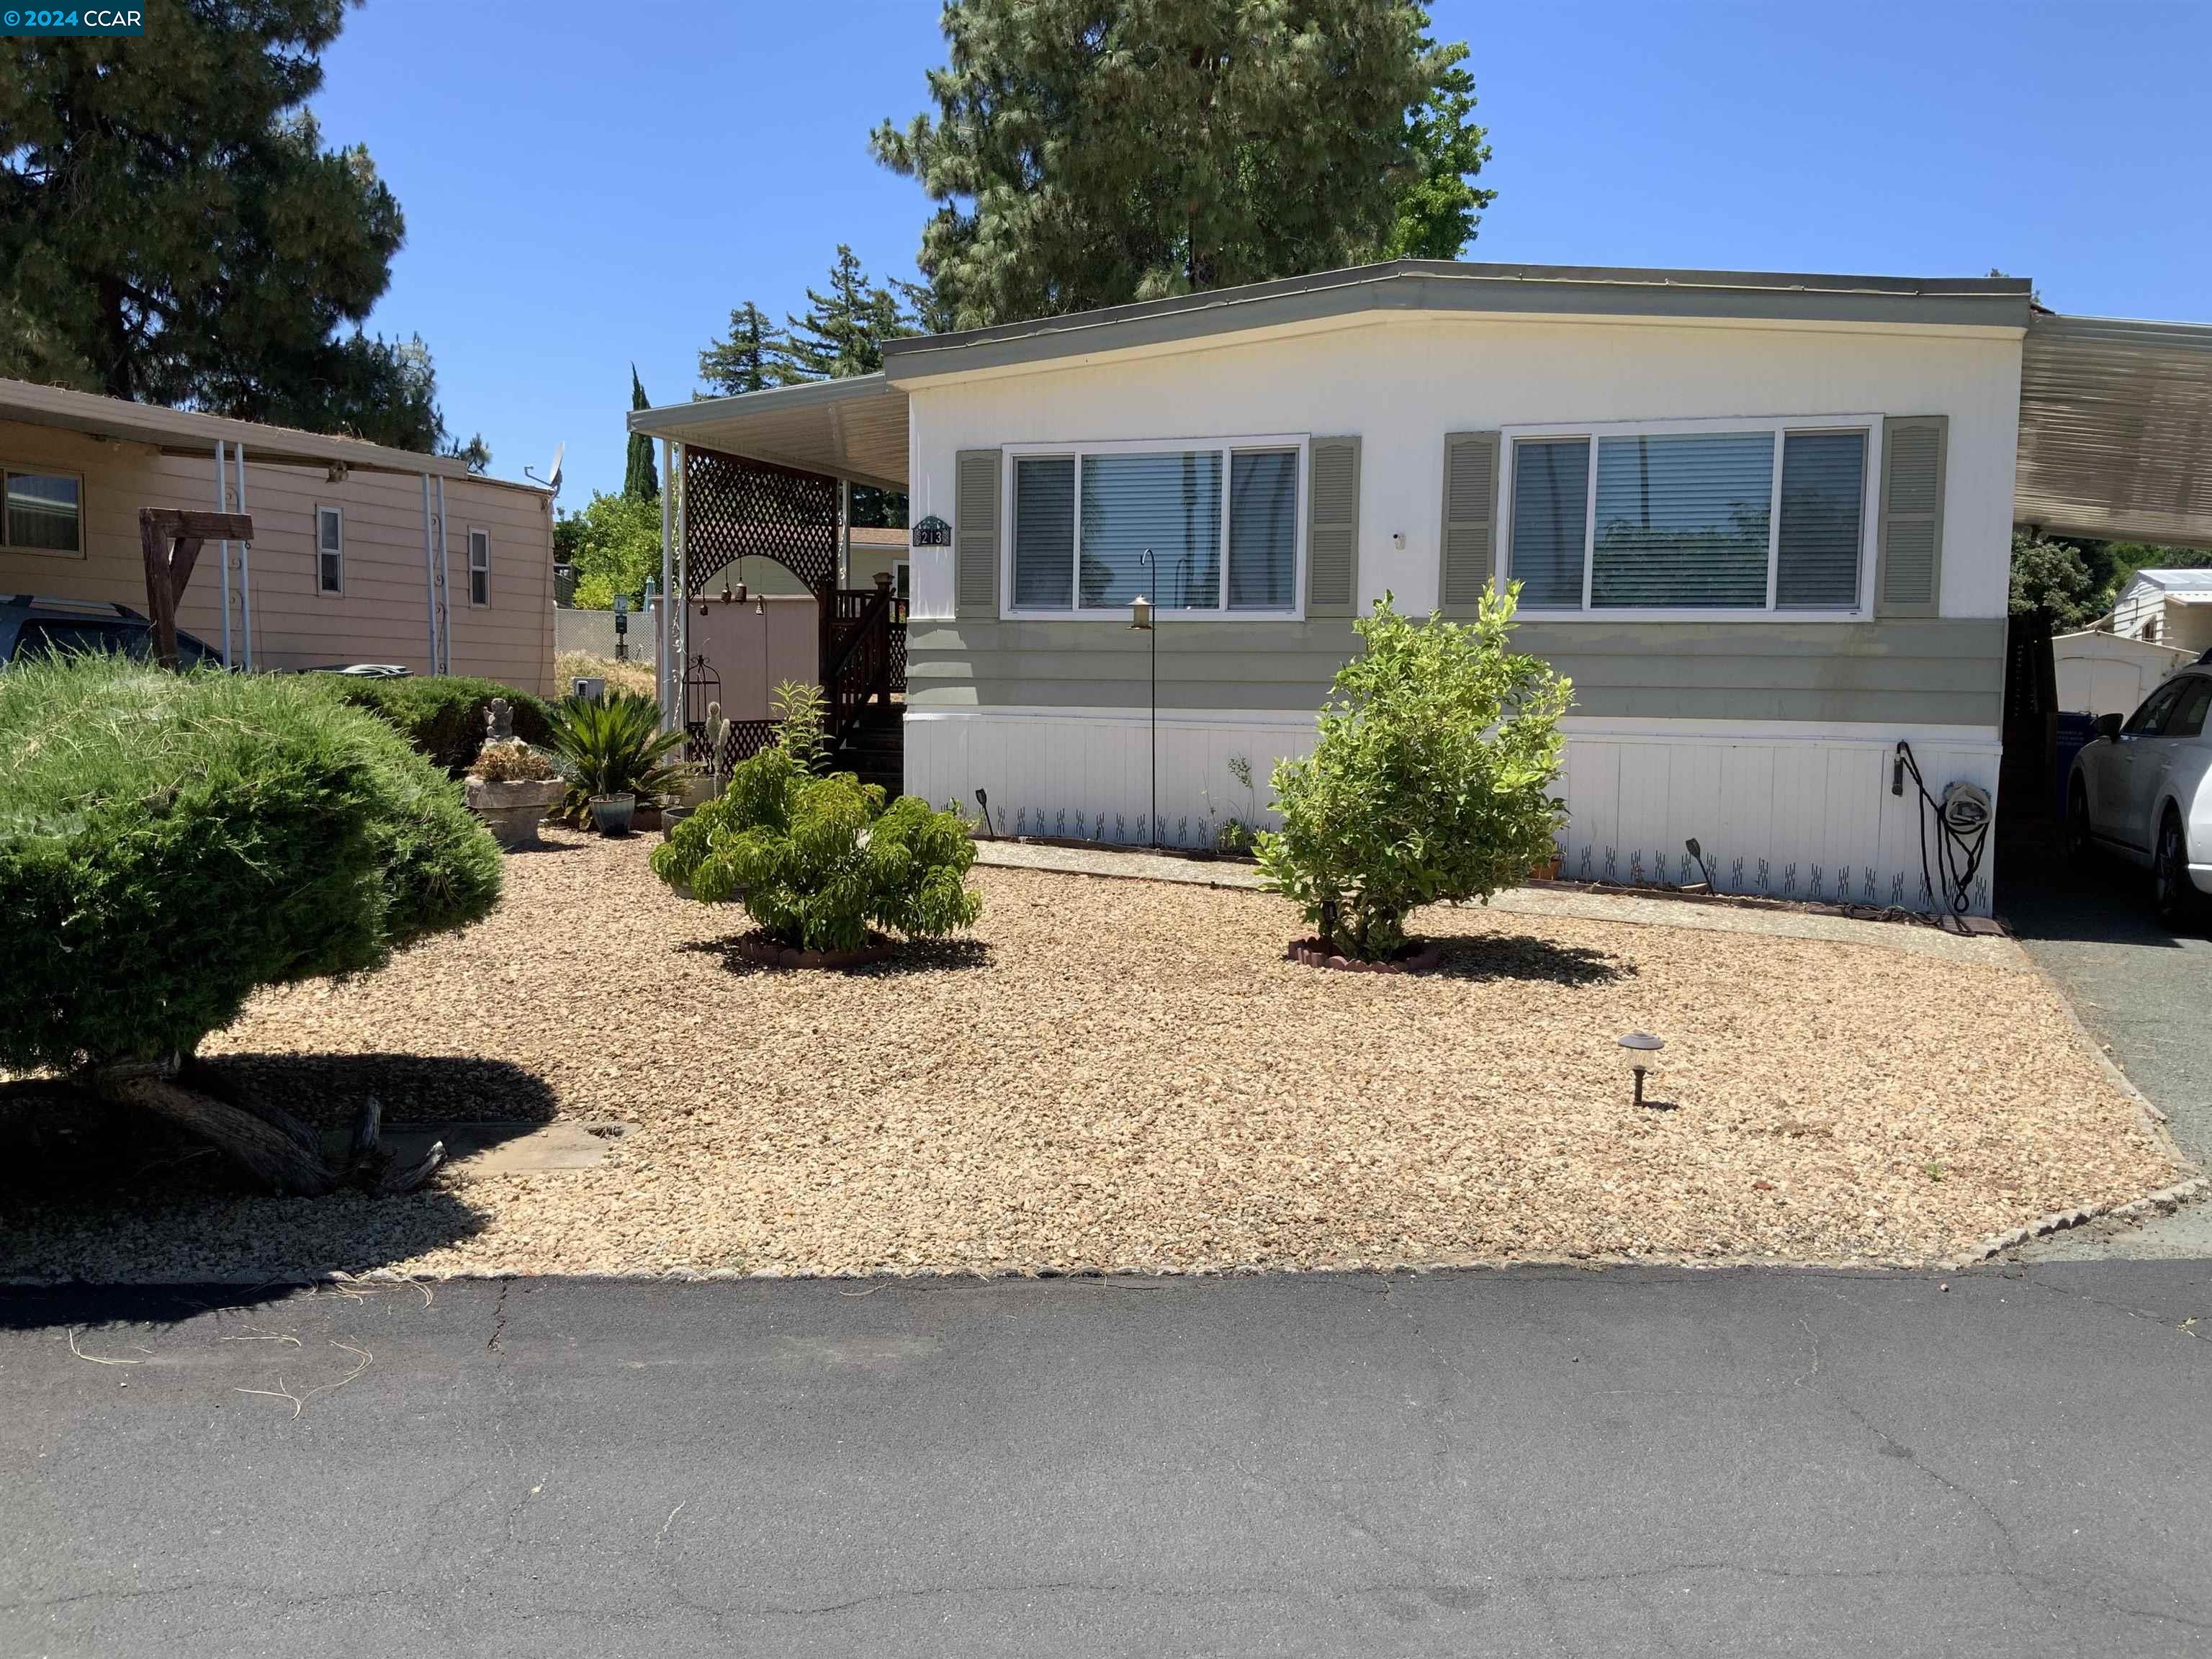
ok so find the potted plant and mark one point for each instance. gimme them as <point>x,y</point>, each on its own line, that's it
<point>611,757</point>
<point>612,815</point>
<point>511,787</point>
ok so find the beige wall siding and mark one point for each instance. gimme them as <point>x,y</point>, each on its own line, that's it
<point>381,615</point>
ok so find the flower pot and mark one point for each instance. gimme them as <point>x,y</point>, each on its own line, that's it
<point>611,814</point>
<point>695,790</point>
<point>512,810</point>
<point>647,816</point>
<point>1546,869</point>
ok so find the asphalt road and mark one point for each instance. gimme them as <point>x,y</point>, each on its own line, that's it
<point>2144,990</point>
<point>1539,1461</point>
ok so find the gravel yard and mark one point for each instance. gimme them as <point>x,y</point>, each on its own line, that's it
<point>1125,1075</point>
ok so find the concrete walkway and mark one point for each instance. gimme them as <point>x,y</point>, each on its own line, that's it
<point>1578,904</point>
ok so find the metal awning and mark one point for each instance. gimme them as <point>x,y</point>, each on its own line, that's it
<point>2116,431</point>
<point>850,428</point>
<point>187,432</point>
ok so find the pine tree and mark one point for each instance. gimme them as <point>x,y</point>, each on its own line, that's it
<point>742,361</point>
<point>173,229</point>
<point>639,482</point>
<point>1088,152</point>
<point>842,331</point>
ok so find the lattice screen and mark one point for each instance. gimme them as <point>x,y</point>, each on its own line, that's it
<point>736,508</point>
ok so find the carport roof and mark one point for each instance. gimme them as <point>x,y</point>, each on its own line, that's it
<point>849,428</point>
<point>2116,429</point>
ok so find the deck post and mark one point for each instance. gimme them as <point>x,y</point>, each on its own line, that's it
<point>222,549</point>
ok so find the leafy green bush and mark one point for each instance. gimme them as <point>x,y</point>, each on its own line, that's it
<point>610,748</point>
<point>1430,780</point>
<point>817,860</point>
<point>168,843</point>
<point>441,715</point>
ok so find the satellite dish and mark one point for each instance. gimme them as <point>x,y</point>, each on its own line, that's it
<point>552,478</point>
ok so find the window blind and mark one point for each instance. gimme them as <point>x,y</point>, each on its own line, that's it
<point>1263,531</point>
<point>1682,520</point>
<point>1044,532</point>
<point>1550,502</point>
<point>1823,492</point>
<point>1170,504</point>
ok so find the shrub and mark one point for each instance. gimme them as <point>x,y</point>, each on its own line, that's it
<point>817,860</point>
<point>610,748</point>
<point>511,763</point>
<point>621,674</point>
<point>1430,780</point>
<point>441,715</point>
<point>168,843</point>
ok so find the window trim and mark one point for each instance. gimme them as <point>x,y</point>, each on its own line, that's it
<point>470,541</point>
<point>1227,448</point>
<point>321,508</point>
<point>83,542</point>
<point>1781,425</point>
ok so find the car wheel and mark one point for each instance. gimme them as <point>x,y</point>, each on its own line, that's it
<point>2081,840</point>
<point>2171,892</point>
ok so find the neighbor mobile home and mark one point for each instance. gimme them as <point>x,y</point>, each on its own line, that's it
<point>361,553</point>
<point>1763,521</point>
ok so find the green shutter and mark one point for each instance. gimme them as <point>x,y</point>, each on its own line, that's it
<point>976,533</point>
<point>1909,570</point>
<point>1332,527</point>
<point>1470,529</point>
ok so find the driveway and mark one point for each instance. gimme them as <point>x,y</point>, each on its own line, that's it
<point>2143,990</point>
<point>1534,1461</point>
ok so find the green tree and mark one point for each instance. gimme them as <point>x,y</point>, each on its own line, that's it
<point>639,482</point>
<point>1440,207</point>
<point>614,543</point>
<point>743,360</point>
<point>1087,154</point>
<point>1431,780</point>
<point>2053,577</point>
<point>174,230</point>
<point>843,331</point>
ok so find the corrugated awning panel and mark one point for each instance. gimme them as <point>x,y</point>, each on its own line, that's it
<point>2116,431</point>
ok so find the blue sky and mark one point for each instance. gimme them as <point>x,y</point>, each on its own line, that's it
<point>586,186</point>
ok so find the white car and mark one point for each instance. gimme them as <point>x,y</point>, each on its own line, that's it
<point>2143,789</point>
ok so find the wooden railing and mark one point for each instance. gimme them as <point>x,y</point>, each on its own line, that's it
<point>856,658</point>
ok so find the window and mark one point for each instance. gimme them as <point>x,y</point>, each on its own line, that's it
<point>902,581</point>
<point>1717,517</point>
<point>1213,530</point>
<point>44,513</point>
<point>2149,719</point>
<point>329,550</point>
<point>2188,720</point>
<point>479,567</point>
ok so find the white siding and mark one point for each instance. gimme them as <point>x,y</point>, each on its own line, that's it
<point>1779,809</point>
<point>1402,382</point>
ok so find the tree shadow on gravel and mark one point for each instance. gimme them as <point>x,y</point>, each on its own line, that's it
<point>1486,959</point>
<point>61,1144</point>
<point>925,956</point>
<point>327,1090</point>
